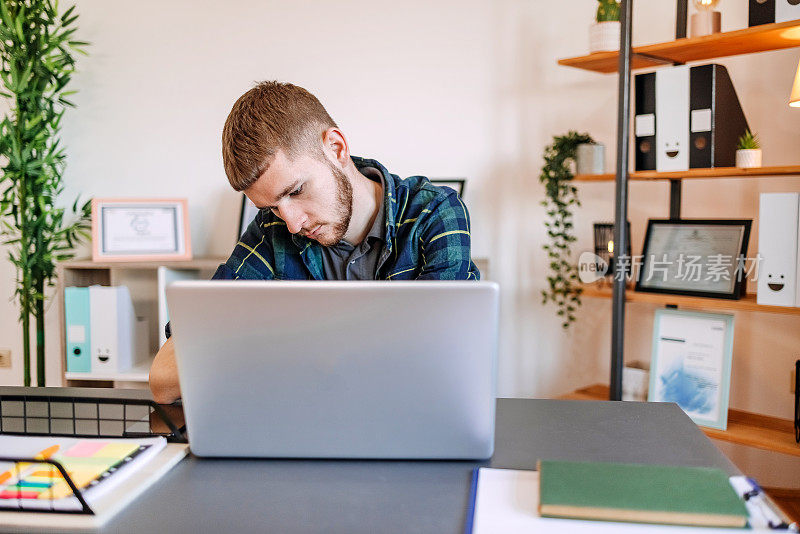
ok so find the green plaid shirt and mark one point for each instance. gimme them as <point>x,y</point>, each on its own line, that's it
<point>427,238</point>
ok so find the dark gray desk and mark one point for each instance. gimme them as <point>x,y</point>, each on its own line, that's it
<point>394,496</point>
<point>390,496</point>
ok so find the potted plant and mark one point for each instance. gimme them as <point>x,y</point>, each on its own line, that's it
<point>36,64</point>
<point>604,34</point>
<point>748,153</point>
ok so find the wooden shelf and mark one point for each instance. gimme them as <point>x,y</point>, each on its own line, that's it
<point>745,428</point>
<point>746,41</point>
<point>608,62</point>
<point>716,172</point>
<point>748,303</point>
<point>139,373</point>
<point>197,263</point>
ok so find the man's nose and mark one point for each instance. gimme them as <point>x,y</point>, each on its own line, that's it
<point>293,218</point>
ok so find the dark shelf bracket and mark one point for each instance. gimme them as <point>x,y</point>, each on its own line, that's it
<point>675,187</point>
<point>655,59</point>
<point>680,19</point>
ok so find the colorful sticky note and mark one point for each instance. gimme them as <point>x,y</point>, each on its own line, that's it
<point>84,448</point>
<point>118,450</point>
<point>54,473</point>
<point>8,494</point>
<point>27,483</point>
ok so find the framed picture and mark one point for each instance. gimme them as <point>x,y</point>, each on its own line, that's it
<point>691,364</point>
<point>697,257</point>
<point>453,183</point>
<point>246,214</point>
<point>140,229</point>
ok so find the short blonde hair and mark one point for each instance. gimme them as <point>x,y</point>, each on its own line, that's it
<point>269,117</point>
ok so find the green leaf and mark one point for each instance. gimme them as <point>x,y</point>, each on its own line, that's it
<point>66,15</point>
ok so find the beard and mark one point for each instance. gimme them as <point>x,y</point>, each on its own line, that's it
<point>343,211</point>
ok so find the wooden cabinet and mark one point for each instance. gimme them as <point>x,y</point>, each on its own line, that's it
<point>142,280</point>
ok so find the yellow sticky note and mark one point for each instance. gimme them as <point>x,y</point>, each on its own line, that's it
<point>118,450</point>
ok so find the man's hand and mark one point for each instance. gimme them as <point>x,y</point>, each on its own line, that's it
<point>164,375</point>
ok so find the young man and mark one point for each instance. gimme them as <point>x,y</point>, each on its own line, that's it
<point>324,214</point>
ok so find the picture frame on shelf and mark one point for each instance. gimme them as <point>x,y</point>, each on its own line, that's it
<point>247,213</point>
<point>458,184</point>
<point>691,363</point>
<point>140,229</point>
<point>695,257</point>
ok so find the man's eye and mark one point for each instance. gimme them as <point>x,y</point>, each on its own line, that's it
<point>296,191</point>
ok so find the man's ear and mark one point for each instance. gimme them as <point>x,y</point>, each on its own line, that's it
<point>334,146</point>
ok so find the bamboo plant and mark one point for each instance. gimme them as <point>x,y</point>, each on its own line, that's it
<point>37,46</point>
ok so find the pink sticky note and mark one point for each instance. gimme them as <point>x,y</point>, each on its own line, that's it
<point>85,448</point>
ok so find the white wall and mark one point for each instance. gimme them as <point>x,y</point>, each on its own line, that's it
<point>445,88</point>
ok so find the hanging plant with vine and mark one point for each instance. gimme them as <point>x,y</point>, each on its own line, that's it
<point>560,198</point>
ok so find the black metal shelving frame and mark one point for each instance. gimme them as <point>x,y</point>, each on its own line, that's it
<point>621,183</point>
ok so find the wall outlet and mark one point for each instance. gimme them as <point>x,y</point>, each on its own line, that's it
<point>5,357</point>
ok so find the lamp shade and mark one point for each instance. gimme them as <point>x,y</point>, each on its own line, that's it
<point>794,98</point>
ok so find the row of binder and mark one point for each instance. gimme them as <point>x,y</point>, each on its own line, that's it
<point>103,334</point>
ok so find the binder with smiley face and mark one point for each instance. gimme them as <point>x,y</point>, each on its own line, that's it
<point>686,118</point>
<point>778,232</point>
<point>769,11</point>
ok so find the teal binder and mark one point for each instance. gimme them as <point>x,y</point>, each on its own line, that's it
<point>78,333</point>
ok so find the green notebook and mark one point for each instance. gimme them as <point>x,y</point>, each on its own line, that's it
<point>640,493</point>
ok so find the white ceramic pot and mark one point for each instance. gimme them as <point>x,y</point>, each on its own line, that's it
<point>604,36</point>
<point>635,381</point>
<point>748,159</point>
<point>590,158</point>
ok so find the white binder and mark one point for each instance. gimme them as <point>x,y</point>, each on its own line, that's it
<point>115,345</point>
<point>672,112</point>
<point>786,10</point>
<point>778,224</point>
<point>166,276</point>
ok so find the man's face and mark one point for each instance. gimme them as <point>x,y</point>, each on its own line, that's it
<point>311,195</point>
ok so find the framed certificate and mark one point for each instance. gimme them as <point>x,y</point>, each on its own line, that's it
<point>140,229</point>
<point>453,183</point>
<point>696,257</point>
<point>691,365</point>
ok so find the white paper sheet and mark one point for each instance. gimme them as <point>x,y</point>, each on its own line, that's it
<point>507,502</point>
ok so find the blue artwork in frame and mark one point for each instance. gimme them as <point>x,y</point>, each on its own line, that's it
<point>691,365</point>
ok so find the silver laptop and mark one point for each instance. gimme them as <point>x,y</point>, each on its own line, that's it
<point>337,369</point>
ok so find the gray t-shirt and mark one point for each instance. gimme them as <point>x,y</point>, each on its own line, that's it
<point>345,261</point>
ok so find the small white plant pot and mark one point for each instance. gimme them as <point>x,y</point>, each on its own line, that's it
<point>748,159</point>
<point>590,158</point>
<point>604,36</point>
<point>635,381</point>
